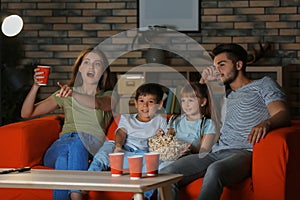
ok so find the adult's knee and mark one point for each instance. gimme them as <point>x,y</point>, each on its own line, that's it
<point>214,171</point>
<point>168,170</point>
<point>61,162</point>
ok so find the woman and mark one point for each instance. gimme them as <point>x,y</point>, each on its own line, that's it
<point>87,103</point>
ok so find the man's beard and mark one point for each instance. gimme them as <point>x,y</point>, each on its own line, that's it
<point>232,77</point>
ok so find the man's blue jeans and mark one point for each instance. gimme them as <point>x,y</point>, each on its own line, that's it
<point>219,169</point>
<point>66,153</point>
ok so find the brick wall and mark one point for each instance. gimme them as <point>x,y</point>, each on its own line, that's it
<point>55,31</point>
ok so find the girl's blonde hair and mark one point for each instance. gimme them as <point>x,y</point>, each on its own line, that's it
<point>195,89</point>
<point>198,90</point>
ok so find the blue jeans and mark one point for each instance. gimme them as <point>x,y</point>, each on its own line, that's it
<point>101,159</point>
<point>66,153</point>
<point>131,152</point>
<point>219,169</point>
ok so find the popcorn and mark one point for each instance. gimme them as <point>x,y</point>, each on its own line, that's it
<point>169,146</point>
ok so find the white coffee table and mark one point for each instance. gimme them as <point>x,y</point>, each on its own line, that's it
<point>85,180</point>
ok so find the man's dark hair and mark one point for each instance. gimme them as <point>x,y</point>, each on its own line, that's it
<point>150,88</point>
<point>234,52</point>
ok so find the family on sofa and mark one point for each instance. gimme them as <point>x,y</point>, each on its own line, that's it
<point>251,109</point>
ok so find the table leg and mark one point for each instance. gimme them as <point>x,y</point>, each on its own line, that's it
<point>138,196</point>
<point>165,192</point>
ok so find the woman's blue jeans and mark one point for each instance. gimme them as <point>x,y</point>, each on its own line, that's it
<point>66,153</point>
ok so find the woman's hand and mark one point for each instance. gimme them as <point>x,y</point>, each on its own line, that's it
<point>37,75</point>
<point>65,91</point>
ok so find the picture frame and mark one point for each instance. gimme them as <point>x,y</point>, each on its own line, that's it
<point>179,15</point>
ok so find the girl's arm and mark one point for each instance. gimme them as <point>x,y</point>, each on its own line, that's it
<point>170,129</point>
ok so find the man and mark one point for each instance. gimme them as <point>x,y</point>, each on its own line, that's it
<point>252,109</point>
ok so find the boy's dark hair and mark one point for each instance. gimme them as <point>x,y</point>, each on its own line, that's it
<point>150,88</point>
<point>234,52</point>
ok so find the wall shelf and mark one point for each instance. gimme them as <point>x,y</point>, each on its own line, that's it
<point>178,76</point>
<point>258,71</point>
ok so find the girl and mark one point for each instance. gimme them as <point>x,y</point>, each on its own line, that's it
<point>85,98</point>
<point>195,125</point>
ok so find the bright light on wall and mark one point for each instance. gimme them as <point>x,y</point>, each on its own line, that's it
<point>12,25</point>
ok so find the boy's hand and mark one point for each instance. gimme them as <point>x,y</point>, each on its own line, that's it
<point>159,132</point>
<point>118,149</point>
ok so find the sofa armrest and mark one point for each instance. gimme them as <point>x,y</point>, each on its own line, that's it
<point>24,143</point>
<point>275,160</point>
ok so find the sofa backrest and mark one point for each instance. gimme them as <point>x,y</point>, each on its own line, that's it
<point>113,127</point>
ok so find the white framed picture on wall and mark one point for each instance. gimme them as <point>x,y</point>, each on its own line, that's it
<point>180,15</point>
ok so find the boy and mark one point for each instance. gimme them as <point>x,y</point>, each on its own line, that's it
<point>134,129</point>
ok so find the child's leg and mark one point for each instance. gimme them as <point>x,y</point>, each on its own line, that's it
<point>101,158</point>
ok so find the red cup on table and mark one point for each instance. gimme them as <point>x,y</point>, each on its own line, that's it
<point>152,162</point>
<point>43,78</point>
<point>116,163</point>
<point>135,166</point>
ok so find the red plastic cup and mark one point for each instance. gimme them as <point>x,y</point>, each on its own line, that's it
<point>152,162</point>
<point>45,76</point>
<point>135,166</point>
<point>116,163</point>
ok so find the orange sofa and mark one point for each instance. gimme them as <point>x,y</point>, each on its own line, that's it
<point>275,173</point>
